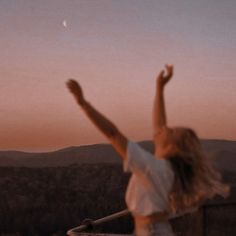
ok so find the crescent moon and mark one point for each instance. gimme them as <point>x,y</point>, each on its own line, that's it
<point>64,23</point>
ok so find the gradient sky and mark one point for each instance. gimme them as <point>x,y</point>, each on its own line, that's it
<point>115,48</point>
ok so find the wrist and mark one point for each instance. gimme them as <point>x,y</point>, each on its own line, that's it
<point>79,99</point>
<point>83,104</point>
<point>160,87</point>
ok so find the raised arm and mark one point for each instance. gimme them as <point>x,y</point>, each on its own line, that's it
<point>118,140</point>
<point>159,112</point>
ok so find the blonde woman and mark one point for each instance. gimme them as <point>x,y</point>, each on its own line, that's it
<point>174,180</point>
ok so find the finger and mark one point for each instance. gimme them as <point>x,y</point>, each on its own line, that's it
<point>169,69</point>
<point>69,81</point>
<point>168,66</point>
<point>72,82</point>
<point>70,85</point>
<point>161,74</point>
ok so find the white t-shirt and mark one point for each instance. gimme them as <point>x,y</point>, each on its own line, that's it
<point>150,183</point>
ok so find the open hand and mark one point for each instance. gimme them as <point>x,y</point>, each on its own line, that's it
<point>162,79</point>
<point>76,90</point>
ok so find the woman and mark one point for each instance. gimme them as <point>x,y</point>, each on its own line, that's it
<point>173,181</point>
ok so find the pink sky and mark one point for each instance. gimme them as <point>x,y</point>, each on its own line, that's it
<point>115,49</point>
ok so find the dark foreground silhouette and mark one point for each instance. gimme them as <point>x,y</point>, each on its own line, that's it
<point>49,201</point>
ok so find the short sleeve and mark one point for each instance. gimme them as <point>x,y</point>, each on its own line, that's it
<point>145,165</point>
<point>137,158</point>
<point>151,181</point>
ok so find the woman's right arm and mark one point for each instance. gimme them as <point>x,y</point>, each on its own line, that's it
<point>117,139</point>
<point>159,112</point>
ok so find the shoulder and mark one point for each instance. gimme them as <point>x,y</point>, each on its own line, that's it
<point>136,157</point>
<point>135,148</point>
<point>139,158</point>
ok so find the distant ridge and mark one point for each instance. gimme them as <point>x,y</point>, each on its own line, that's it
<point>222,151</point>
<point>90,154</point>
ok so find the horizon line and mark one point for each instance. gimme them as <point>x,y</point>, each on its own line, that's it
<point>51,150</point>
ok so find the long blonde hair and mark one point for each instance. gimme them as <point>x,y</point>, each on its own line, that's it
<point>195,178</point>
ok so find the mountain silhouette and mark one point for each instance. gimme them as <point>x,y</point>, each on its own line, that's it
<point>223,153</point>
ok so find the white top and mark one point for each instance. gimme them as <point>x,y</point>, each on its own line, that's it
<point>150,183</point>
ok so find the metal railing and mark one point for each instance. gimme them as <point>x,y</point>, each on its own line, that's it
<point>89,224</point>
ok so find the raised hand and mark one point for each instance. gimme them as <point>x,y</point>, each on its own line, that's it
<point>163,79</point>
<point>76,90</point>
<point>117,139</point>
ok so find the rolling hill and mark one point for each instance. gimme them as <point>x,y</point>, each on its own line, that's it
<point>222,151</point>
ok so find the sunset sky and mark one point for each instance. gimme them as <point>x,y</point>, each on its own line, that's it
<point>115,49</point>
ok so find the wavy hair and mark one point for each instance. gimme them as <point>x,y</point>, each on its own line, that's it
<point>195,177</point>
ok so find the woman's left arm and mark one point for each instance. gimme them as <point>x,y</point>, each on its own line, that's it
<point>117,139</point>
<point>159,110</point>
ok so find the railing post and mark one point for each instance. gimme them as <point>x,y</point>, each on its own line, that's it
<point>204,220</point>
